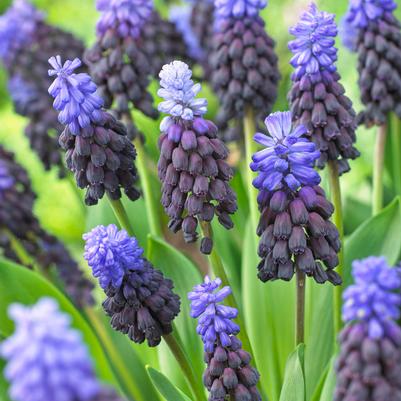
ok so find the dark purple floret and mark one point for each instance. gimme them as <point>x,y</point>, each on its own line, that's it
<point>369,364</point>
<point>243,68</point>
<point>318,100</point>
<point>98,150</point>
<point>229,374</point>
<point>192,165</point>
<point>378,44</point>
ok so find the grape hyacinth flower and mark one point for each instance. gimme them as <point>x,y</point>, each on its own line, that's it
<point>242,60</point>
<point>98,150</point>
<point>318,100</point>
<point>369,364</point>
<point>40,364</point>
<point>295,228</point>
<point>26,43</point>
<point>140,300</point>
<point>378,44</point>
<point>18,220</point>
<point>228,372</point>
<point>192,165</point>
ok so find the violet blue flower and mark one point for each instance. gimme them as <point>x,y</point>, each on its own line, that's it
<point>288,158</point>
<point>111,253</point>
<point>360,12</point>
<point>6,180</point>
<point>238,8</point>
<point>375,297</point>
<point>46,358</point>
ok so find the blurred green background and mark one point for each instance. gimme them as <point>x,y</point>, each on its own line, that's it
<point>57,207</point>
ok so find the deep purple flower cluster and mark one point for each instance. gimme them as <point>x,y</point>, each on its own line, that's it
<point>243,63</point>
<point>228,372</point>
<point>111,253</point>
<point>373,298</point>
<point>295,228</point>
<point>369,364</point>
<point>27,42</point>
<point>192,165</point>
<point>317,99</point>
<point>127,17</point>
<point>140,301</point>
<point>17,219</point>
<point>378,44</point>
<point>98,149</point>
<point>40,364</point>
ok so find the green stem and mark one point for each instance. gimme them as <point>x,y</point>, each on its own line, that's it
<point>186,367</point>
<point>396,150</point>
<point>152,209</point>
<point>378,169</point>
<point>121,215</point>
<point>300,325</point>
<point>335,188</point>
<point>250,148</point>
<point>219,271</point>
<point>118,363</point>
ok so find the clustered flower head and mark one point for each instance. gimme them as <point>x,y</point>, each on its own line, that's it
<point>127,17</point>
<point>228,372</point>
<point>26,43</point>
<point>98,150</point>
<point>40,364</point>
<point>295,228</point>
<point>192,165</point>
<point>140,300</point>
<point>369,364</point>
<point>378,44</point>
<point>317,99</point>
<point>243,64</point>
<point>17,217</point>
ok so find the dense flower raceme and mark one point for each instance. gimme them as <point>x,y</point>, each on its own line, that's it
<point>17,218</point>
<point>133,42</point>
<point>40,364</point>
<point>243,65</point>
<point>192,166</point>
<point>99,152</point>
<point>238,9</point>
<point>318,100</point>
<point>369,364</point>
<point>228,372</point>
<point>140,301</point>
<point>378,43</point>
<point>27,42</point>
<point>295,228</point>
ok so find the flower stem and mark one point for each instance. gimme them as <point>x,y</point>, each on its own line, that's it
<point>152,209</point>
<point>335,188</point>
<point>219,271</point>
<point>300,325</point>
<point>121,215</point>
<point>250,148</point>
<point>396,149</point>
<point>118,363</point>
<point>378,169</point>
<point>186,367</point>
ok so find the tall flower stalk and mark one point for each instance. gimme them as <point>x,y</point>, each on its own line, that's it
<point>378,44</point>
<point>296,235</point>
<point>319,103</point>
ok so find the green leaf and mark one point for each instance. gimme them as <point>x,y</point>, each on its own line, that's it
<point>3,384</point>
<point>18,284</point>
<point>294,380</point>
<point>330,383</point>
<point>269,319</point>
<point>165,387</point>
<point>380,235</point>
<point>184,274</point>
